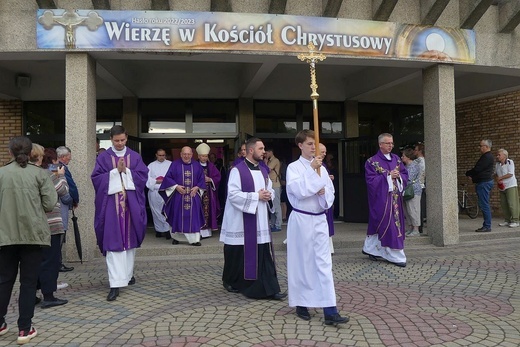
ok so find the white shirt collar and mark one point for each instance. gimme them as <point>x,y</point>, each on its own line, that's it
<point>120,153</point>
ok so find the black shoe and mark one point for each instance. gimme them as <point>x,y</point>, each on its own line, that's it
<point>303,313</point>
<point>371,257</point>
<point>278,296</point>
<point>37,300</point>
<point>158,234</point>
<point>52,303</point>
<point>167,235</point>
<point>132,281</point>
<point>229,288</point>
<point>400,264</point>
<point>175,242</point>
<point>113,294</point>
<point>196,244</point>
<point>64,268</point>
<point>483,230</point>
<point>335,319</point>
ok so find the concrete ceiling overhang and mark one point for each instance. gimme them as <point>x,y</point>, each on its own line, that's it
<point>221,75</point>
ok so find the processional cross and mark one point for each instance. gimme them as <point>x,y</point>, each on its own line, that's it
<point>70,20</point>
<point>312,58</point>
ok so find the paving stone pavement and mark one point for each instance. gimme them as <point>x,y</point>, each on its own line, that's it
<point>462,295</point>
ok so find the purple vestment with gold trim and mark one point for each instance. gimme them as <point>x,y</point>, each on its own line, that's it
<point>183,212</point>
<point>386,214</point>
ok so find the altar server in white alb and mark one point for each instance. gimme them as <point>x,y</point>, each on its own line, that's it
<point>309,261</point>
<point>158,170</point>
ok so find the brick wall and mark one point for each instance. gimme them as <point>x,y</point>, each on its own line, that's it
<point>10,126</point>
<point>496,118</point>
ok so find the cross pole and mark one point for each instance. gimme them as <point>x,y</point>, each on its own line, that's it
<point>312,58</point>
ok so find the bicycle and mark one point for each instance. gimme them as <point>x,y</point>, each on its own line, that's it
<point>467,202</point>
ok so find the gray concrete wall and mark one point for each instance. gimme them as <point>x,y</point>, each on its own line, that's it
<point>129,4</point>
<point>304,8</point>
<point>17,25</point>
<point>190,5</point>
<point>354,9</point>
<point>250,6</point>
<point>406,11</point>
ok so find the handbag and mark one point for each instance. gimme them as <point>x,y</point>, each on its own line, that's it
<point>408,192</point>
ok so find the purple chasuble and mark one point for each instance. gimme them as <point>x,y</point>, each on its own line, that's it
<point>386,215</point>
<point>183,212</point>
<point>250,224</point>
<point>210,203</point>
<point>120,219</point>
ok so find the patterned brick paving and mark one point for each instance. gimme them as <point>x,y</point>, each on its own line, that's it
<point>464,295</point>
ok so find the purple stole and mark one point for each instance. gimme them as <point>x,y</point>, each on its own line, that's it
<point>250,226</point>
<point>121,208</point>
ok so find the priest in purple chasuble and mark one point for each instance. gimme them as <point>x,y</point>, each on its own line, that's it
<point>182,189</point>
<point>119,180</point>
<point>210,203</point>
<point>386,177</point>
<point>249,266</point>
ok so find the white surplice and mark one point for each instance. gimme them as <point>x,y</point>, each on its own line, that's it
<point>156,202</point>
<point>309,262</point>
<point>238,202</point>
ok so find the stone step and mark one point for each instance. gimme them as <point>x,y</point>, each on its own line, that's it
<point>348,236</point>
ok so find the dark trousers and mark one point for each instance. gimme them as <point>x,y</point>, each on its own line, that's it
<point>28,258</point>
<point>50,267</point>
<point>423,209</point>
<point>62,241</point>
<point>266,283</point>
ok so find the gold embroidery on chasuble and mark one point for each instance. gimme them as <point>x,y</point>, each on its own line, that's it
<point>187,183</point>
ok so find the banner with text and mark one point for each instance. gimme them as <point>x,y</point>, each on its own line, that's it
<point>235,32</point>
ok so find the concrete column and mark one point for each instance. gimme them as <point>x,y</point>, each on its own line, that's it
<point>130,117</point>
<point>80,137</point>
<point>245,118</point>
<point>351,119</point>
<point>441,154</point>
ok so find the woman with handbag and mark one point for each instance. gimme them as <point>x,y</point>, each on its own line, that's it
<point>412,193</point>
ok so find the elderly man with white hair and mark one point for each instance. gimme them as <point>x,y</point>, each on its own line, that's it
<point>64,157</point>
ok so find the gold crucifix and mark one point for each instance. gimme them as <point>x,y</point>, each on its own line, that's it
<point>70,20</point>
<point>312,58</point>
